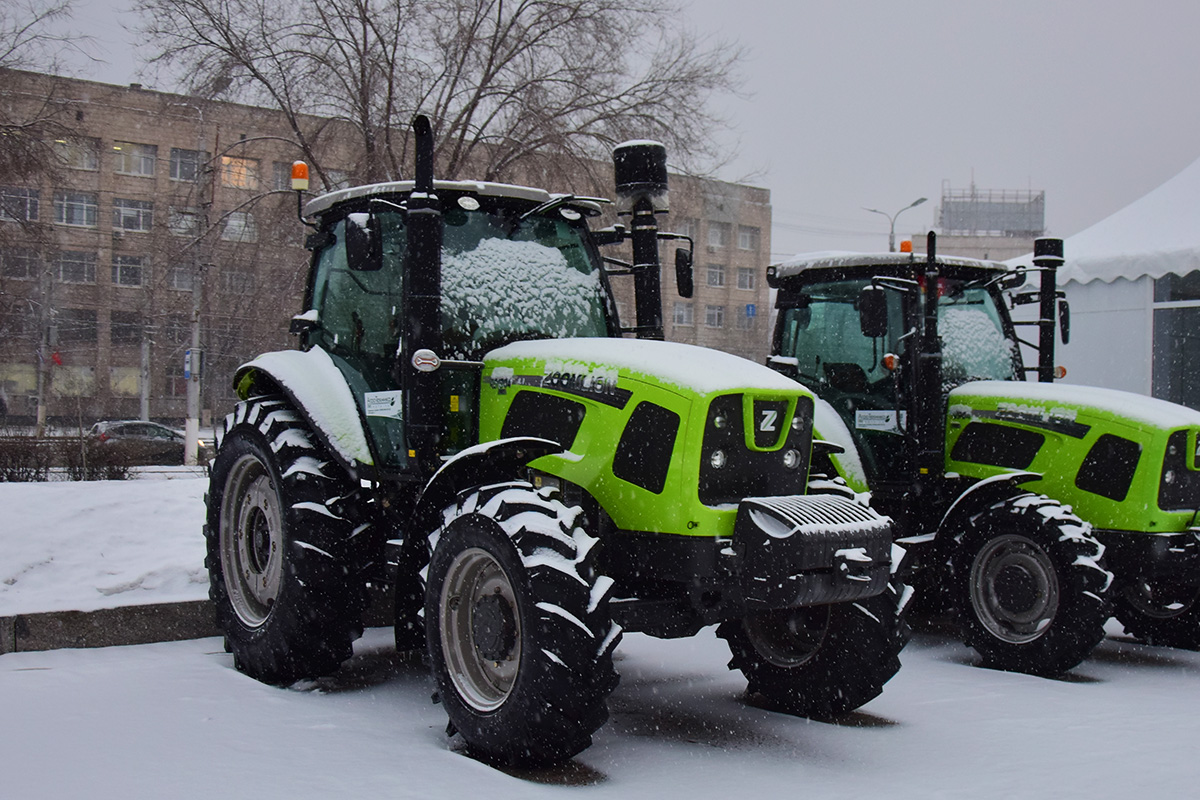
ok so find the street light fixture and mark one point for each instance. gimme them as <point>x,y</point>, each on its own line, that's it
<point>892,220</point>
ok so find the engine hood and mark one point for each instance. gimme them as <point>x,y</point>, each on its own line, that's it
<point>597,365</point>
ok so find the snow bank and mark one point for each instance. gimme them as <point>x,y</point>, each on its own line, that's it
<point>101,544</point>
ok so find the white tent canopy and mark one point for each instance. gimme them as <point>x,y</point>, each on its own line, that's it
<point>1154,236</point>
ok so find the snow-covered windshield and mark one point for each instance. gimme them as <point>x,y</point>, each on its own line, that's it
<point>974,346</point>
<point>505,278</point>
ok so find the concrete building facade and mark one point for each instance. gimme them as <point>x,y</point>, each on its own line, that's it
<point>160,208</point>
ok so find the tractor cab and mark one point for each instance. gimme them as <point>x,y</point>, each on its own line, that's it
<point>848,328</point>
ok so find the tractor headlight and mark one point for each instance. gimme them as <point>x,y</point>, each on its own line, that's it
<point>717,459</point>
<point>791,459</point>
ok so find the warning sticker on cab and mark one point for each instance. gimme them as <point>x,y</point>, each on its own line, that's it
<point>384,404</point>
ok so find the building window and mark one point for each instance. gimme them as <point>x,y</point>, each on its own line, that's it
<point>745,318</point>
<point>714,316</point>
<point>180,277</point>
<point>237,281</point>
<point>177,330</point>
<point>745,278</point>
<point>76,267</point>
<point>18,262</point>
<point>125,327</point>
<point>683,314</point>
<point>183,221</point>
<point>132,215</point>
<point>129,271</point>
<point>240,173</point>
<point>176,383</point>
<point>281,176</point>
<point>718,234</point>
<point>716,275</point>
<point>187,165</point>
<point>1175,372</point>
<point>134,159</point>
<point>687,226</point>
<point>18,204</point>
<point>239,227</point>
<point>77,325</point>
<point>748,237</point>
<point>79,152</point>
<point>76,208</point>
<point>336,179</point>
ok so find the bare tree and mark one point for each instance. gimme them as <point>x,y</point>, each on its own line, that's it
<point>506,82</point>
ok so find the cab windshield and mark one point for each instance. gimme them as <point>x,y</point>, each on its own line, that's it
<point>822,332</point>
<point>506,278</point>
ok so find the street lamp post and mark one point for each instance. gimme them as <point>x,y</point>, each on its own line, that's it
<point>892,220</point>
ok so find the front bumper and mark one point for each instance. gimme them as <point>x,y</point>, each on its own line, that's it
<point>809,550</point>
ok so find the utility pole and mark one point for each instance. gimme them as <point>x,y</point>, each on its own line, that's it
<point>193,364</point>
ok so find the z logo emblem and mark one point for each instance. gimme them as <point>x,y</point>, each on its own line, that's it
<point>769,416</point>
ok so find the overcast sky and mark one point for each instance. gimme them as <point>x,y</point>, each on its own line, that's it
<point>853,103</point>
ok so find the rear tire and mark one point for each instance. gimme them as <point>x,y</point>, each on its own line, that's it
<point>1161,613</point>
<point>283,576</point>
<point>1027,585</point>
<point>821,661</point>
<point>517,625</point>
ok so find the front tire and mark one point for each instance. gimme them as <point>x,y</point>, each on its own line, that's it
<point>822,661</point>
<point>288,593</point>
<point>517,626</point>
<point>1161,613</point>
<point>1027,585</point>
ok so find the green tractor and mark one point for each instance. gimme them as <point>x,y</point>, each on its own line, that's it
<point>1012,498</point>
<point>464,423</point>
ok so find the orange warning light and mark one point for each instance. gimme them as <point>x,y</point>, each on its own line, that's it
<point>299,176</point>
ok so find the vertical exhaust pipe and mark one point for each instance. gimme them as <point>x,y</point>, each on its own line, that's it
<point>424,416</point>
<point>1047,257</point>
<point>640,172</point>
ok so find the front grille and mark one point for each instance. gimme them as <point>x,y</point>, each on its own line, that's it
<point>816,513</point>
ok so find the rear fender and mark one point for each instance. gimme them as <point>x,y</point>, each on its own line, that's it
<point>318,391</point>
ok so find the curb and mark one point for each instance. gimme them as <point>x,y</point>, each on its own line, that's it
<point>107,627</point>
<point>127,625</point>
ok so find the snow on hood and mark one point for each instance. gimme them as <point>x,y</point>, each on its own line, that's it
<point>317,384</point>
<point>1061,400</point>
<point>696,369</point>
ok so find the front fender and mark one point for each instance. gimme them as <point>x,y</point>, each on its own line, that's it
<point>481,465</point>
<point>980,495</point>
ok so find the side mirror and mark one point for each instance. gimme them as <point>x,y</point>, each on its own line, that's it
<point>1064,320</point>
<point>683,272</point>
<point>364,243</point>
<point>873,312</point>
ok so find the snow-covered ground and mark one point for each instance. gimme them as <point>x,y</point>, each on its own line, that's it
<point>176,720</point>
<point>102,544</point>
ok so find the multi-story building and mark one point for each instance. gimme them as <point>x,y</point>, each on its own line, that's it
<point>161,209</point>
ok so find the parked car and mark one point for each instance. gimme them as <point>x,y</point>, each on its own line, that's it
<point>146,443</point>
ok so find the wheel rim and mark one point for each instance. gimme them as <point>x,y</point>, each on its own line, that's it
<point>251,540</point>
<point>1014,589</point>
<point>481,629</point>
<point>790,637</point>
<point>1161,600</point>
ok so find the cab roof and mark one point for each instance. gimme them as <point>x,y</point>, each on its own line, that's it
<point>324,202</point>
<point>840,260</point>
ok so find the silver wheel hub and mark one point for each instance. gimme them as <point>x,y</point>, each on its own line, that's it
<point>1014,589</point>
<point>481,629</point>
<point>789,637</point>
<point>251,540</point>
